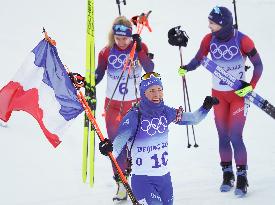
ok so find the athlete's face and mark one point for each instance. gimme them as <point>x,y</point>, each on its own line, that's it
<point>213,26</point>
<point>122,41</point>
<point>154,93</point>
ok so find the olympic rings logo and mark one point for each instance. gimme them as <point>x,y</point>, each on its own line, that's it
<point>117,61</point>
<point>223,51</point>
<point>155,125</point>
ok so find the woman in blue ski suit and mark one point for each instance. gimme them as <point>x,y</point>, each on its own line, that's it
<point>144,130</point>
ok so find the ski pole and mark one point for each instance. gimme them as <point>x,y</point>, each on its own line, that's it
<point>177,37</point>
<point>246,67</point>
<point>118,5</point>
<point>47,38</point>
<point>235,12</point>
<point>184,100</point>
<point>186,96</point>
<point>135,84</point>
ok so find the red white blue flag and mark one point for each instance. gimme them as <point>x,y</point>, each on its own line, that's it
<point>42,88</point>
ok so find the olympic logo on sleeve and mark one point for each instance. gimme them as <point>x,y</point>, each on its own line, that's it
<point>155,125</point>
<point>223,51</point>
<point>117,61</point>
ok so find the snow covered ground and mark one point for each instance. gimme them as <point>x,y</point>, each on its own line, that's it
<point>33,173</point>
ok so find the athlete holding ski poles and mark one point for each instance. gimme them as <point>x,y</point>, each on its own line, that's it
<point>121,90</point>
<point>144,130</point>
<point>229,48</point>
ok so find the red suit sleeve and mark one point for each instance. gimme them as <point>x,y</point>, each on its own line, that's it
<point>248,49</point>
<point>102,64</point>
<point>145,61</point>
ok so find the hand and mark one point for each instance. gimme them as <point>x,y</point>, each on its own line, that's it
<point>209,102</point>
<point>77,79</point>
<point>182,71</point>
<point>105,147</point>
<point>245,89</point>
<point>136,38</point>
<point>177,37</point>
<point>150,55</point>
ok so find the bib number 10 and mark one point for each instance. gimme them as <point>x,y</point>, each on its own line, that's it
<point>158,161</point>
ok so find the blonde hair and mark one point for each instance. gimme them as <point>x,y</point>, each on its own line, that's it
<point>122,20</point>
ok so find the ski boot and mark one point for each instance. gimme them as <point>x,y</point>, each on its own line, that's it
<point>121,193</point>
<point>228,177</point>
<point>242,183</point>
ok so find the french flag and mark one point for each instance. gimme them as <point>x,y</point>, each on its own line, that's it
<point>42,88</point>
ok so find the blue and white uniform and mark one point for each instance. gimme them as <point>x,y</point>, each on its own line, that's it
<point>151,180</point>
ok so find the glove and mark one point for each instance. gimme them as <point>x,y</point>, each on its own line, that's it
<point>150,55</point>
<point>182,71</point>
<point>209,102</point>
<point>136,38</point>
<point>134,20</point>
<point>105,147</point>
<point>77,79</point>
<point>245,89</point>
<point>177,37</point>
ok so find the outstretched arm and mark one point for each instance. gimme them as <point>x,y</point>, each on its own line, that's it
<point>203,51</point>
<point>193,118</point>
<point>196,61</point>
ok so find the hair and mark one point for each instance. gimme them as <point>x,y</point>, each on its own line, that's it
<point>122,20</point>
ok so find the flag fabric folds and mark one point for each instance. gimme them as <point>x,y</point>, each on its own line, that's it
<point>42,88</point>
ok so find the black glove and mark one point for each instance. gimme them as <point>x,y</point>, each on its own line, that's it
<point>136,38</point>
<point>134,20</point>
<point>150,55</point>
<point>177,37</point>
<point>77,79</point>
<point>244,84</point>
<point>105,147</point>
<point>209,102</point>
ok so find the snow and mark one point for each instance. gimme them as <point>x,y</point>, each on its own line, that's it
<point>34,173</point>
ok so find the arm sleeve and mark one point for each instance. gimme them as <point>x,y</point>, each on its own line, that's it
<point>248,48</point>
<point>145,61</point>
<point>203,51</point>
<point>126,130</point>
<point>170,114</point>
<point>102,64</point>
<point>193,118</point>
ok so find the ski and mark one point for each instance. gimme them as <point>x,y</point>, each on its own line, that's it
<point>90,93</point>
<point>235,84</point>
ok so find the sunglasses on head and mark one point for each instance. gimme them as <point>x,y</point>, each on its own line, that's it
<point>148,75</point>
<point>119,27</point>
<point>217,10</point>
